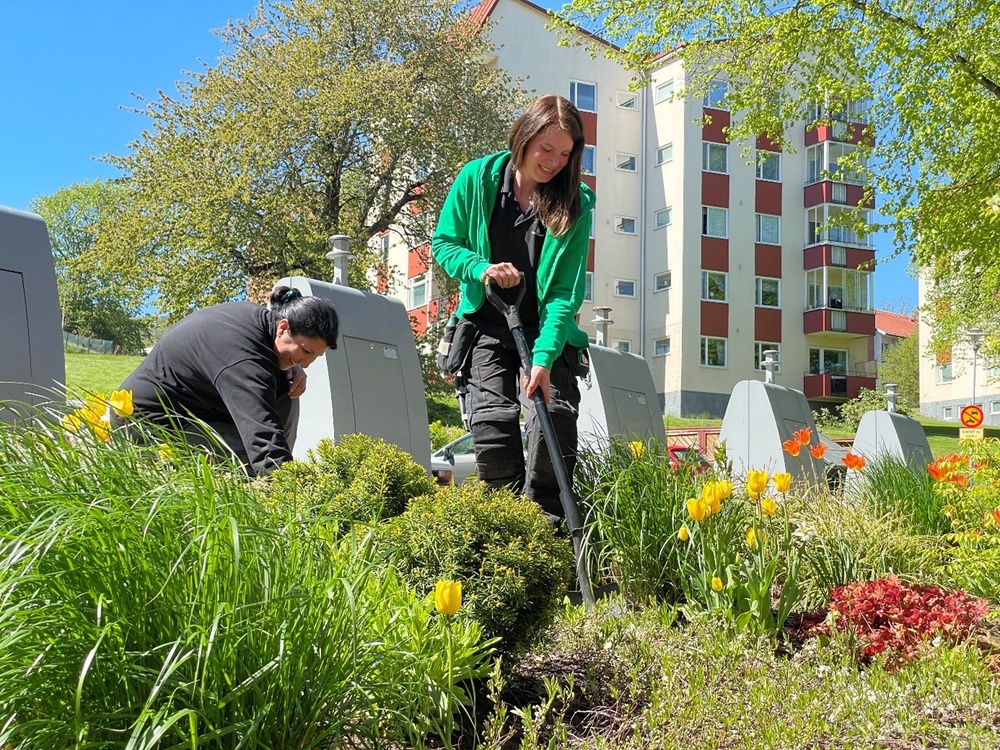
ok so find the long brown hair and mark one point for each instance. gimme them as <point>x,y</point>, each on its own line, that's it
<point>558,199</point>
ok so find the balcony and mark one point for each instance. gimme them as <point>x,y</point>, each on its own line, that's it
<point>828,387</point>
<point>849,323</point>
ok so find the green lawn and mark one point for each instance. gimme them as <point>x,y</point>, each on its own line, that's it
<point>97,373</point>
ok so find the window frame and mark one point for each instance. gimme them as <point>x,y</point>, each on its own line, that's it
<point>704,352</point>
<point>658,89</point>
<point>658,162</point>
<point>758,228</point>
<point>940,378</point>
<point>758,291</point>
<point>413,284</point>
<point>574,94</point>
<point>707,147</point>
<point>633,157</point>
<point>634,95</point>
<point>768,156</point>
<point>710,98</point>
<point>635,225</point>
<point>656,344</point>
<point>668,210</point>
<point>657,287</point>
<point>617,344</point>
<point>618,292</point>
<point>588,287</point>
<point>588,149</point>
<point>706,285</point>
<point>706,212</point>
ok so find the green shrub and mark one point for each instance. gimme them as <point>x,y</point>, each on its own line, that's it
<point>442,434</point>
<point>848,414</point>
<point>513,568</point>
<point>359,479</point>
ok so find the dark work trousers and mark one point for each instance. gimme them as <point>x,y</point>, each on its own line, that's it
<point>494,382</point>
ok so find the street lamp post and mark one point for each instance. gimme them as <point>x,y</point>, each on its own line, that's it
<point>976,337</point>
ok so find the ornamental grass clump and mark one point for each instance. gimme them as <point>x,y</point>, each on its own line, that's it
<point>154,602</point>
<point>513,569</point>
<point>895,619</point>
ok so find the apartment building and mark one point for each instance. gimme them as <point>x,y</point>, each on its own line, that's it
<point>705,259</point>
<point>948,381</point>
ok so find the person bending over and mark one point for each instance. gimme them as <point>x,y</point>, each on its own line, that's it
<point>236,367</point>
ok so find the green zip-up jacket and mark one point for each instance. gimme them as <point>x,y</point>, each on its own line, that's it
<point>461,246</point>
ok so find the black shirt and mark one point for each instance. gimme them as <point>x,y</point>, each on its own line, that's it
<point>516,237</point>
<point>219,365</point>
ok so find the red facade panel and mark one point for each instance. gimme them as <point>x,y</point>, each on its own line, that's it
<point>767,197</point>
<point>767,261</point>
<point>767,324</point>
<point>855,133</point>
<point>715,189</point>
<point>712,131</point>
<point>766,144</point>
<point>417,261</point>
<point>855,323</point>
<point>714,254</point>
<point>832,388</point>
<point>589,127</point>
<point>590,256</point>
<point>822,192</point>
<point>818,256</point>
<point>715,319</point>
<point>590,181</point>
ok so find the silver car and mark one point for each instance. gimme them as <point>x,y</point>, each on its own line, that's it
<point>455,462</point>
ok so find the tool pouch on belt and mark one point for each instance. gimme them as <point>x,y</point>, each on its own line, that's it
<point>444,346</point>
<point>456,345</point>
<point>577,359</point>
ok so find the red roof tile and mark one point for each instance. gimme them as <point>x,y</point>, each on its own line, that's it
<point>894,324</point>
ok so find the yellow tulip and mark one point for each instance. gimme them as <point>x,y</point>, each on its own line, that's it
<point>165,452</point>
<point>710,497</point>
<point>756,483</point>
<point>637,447</point>
<point>121,403</point>
<point>448,597</point>
<point>751,538</point>
<point>684,534</point>
<point>72,423</point>
<point>717,583</point>
<point>768,506</point>
<point>696,509</point>
<point>782,481</point>
<point>724,489</point>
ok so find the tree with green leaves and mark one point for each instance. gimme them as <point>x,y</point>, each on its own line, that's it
<point>323,117</point>
<point>901,365</point>
<point>931,74</point>
<point>98,299</point>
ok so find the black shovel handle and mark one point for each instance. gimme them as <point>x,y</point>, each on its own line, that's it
<point>566,499</point>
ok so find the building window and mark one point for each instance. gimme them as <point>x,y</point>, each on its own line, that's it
<point>628,100</point>
<point>661,282</point>
<point>715,97</point>
<point>759,347</point>
<point>588,161</point>
<point>664,154</point>
<point>626,162</point>
<point>588,289</point>
<point>948,412</point>
<point>625,287</point>
<point>593,224</point>
<point>715,157</point>
<point>835,224</point>
<point>713,286</point>
<point>944,373</point>
<point>714,221</point>
<point>625,224</point>
<point>713,352</point>
<point>768,229</point>
<point>994,407</point>
<point>767,292</point>
<point>663,91</point>
<point>622,345</point>
<point>583,95</point>
<point>769,166</point>
<point>416,291</point>
<point>836,161</point>
<point>661,218</point>
<point>827,361</point>
<point>661,347</point>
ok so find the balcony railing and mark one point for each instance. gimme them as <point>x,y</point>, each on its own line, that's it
<point>836,387</point>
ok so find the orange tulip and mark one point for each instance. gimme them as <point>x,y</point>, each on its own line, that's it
<point>817,450</point>
<point>804,435</point>
<point>996,515</point>
<point>854,461</point>
<point>792,447</point>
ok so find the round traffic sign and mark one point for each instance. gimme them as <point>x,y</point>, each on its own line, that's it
<point>972,416</point>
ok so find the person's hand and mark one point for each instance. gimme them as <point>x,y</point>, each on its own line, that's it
<point>505,275</point>
<point>539,379</point>
<point>297,381</point>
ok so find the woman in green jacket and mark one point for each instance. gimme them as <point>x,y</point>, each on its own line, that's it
<point>521,211</point>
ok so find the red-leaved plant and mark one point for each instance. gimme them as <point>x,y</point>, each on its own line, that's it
<point>889,616</point>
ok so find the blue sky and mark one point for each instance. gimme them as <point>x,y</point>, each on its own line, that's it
<point>69,67</point>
